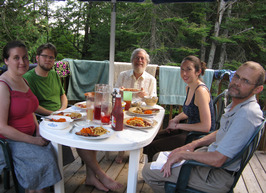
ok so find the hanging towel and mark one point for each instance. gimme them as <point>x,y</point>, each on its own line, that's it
<point>84,75</point>
<point>173,88</point>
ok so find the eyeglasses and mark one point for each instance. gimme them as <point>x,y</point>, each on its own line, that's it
<point>139,58</point>
<point>243,81</point>
<point>46,56</point>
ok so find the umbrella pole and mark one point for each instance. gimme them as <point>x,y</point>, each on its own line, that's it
<point>112,44</point>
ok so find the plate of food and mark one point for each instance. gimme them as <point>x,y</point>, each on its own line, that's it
<point>93,132</point>
<point>139,122</point>
<point>133,90</point>
<point>143,111</point>
<point>81,105</point>
<point>57,122</point>
<point>72,115</point>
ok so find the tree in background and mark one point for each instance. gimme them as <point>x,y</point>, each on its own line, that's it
<point>167,31</point>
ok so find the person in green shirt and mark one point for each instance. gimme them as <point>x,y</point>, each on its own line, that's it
<point>45,84</point>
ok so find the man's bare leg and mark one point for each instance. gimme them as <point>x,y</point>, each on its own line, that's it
<point>93,170</point>
<point>119,157</point>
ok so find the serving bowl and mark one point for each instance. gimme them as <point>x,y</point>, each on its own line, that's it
<point>150,100</point>
<point>57,121</point>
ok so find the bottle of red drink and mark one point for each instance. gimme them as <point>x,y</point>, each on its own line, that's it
<point>117,114</point>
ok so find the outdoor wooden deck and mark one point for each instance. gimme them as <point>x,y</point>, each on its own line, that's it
<point>253,178</point>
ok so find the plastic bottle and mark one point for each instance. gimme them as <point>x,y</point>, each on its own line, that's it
<point>117,114</point>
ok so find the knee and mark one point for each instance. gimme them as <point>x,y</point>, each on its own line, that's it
<point>145,172</point>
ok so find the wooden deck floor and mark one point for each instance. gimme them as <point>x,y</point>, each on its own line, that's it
<point>253,178</point>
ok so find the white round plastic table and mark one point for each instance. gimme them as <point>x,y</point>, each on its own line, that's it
<point>129,139</point>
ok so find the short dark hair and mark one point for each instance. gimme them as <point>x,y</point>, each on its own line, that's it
<point>46,46</point>
<point>11,45</point>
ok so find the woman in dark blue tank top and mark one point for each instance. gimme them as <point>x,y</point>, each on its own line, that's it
<point>198,111</point>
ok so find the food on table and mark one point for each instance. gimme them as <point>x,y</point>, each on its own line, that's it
<point>82,105</point>
<point>147,112</point>
<point>140,110</point>
<point>150,101</point>
<point>73,115</point>
<point>89,94</point>
<point>138,122</point>
<point>131,89</point>
<point>92,131</point>
<point>57,120</point>
<point>60,113</point>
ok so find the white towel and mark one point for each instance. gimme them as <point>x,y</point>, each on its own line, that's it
<point>161,160</point>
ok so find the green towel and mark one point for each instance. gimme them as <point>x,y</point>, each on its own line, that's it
<point>173,88</point>
<point>84,75</point>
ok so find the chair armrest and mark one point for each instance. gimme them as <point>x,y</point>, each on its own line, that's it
<point>184,174</point>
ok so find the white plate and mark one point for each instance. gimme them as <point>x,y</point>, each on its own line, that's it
<point>68,114</point>
<point>108,134</point>
<point>152,122</point>
<point>81,105</point>
<point>135,91</point>
<point>132,109</point>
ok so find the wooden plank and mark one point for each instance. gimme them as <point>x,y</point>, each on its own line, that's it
<point>71,169</point>
<point>122,178</point>
<point>240,186</point>
<point>76,180</point>
<point>258,171</point>
<point>146,189</point>
<point>262,158</point>
<point>250,180</point>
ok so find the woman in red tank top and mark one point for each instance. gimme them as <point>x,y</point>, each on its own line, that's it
<point>19,126</point>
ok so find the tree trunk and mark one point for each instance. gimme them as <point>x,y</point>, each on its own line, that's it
<point>85,48</point>
<point>153,45</point>
<point>223,48</point>
<point>220,12</point>
<point>203,49</point>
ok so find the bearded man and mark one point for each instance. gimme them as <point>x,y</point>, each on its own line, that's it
<point>45,84</point>
<point>137,77</point>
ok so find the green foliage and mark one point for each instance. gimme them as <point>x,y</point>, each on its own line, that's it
<point>167,31</point>
<point>233,65</point>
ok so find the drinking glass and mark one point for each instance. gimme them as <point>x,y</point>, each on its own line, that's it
<point>90,105</point>
<point>99,88</point>
<point>127,97</point>
<point>106,110</point>
<point>102,97</point>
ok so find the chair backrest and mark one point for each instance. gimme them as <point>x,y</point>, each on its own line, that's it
<point>219,103</point>
<point>247,152</point>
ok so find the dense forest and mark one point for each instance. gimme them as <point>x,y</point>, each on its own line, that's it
<point>223,33</point>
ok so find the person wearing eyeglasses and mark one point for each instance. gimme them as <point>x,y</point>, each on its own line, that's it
<point>45,84</point>
<point>137,77</point>
<point>240,120</point>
